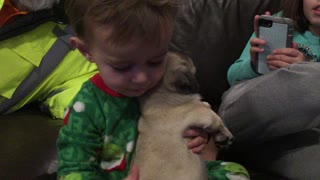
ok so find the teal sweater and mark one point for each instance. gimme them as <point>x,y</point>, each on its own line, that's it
<point>308,44</point>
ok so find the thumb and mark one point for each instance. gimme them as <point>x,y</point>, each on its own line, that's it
<point>267,13</point>
<point>134,173</point>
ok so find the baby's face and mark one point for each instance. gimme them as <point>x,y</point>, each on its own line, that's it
<point>130,69</point>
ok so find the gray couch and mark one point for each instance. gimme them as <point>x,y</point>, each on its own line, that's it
<point>213,33</point>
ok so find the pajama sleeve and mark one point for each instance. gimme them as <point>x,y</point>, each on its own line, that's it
<point>226,170</point>
<point>79,143</point>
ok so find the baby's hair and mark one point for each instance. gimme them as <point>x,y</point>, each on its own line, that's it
<point>147,19</point>
<point>294,9</point>
<point>34,5</point>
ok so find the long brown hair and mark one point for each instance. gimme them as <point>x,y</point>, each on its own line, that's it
<point>294,9</point>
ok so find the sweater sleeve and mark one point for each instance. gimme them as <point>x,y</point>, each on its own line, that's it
<point>242,69</point>
<point>79,145</point>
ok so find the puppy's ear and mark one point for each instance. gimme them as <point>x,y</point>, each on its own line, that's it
<point>186,82</point>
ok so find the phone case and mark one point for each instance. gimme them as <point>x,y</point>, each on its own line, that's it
<point>277,32</point>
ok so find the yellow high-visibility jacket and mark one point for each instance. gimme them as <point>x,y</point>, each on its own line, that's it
<point>21,54</point>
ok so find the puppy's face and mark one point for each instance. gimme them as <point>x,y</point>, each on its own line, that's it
<point>180,74</point>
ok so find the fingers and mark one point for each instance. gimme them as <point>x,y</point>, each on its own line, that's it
<point>198,139</point>
<point>256,47</point>
<point>294,45</point>
<point>281,60</point>
<point>292,52</point>
<point>255,23</point>
<point>287,56</point>
<point>197,136</point>
<point>273,65</point>
<point>196,145</point>
<point>192,132</point>
<point>256,42</point>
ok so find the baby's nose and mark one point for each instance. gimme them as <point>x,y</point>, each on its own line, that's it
<point>140,77</point>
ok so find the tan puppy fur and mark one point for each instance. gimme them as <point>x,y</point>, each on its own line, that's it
<point>167,111</point>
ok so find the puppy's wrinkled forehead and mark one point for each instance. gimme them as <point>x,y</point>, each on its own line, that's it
<point>178,60</point>
<point>180,74</point>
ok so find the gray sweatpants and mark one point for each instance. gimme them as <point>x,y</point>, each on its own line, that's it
<point>275,117</point>
<point>279,103</point>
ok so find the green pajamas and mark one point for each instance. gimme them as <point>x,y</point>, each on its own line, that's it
<point>98,139</point>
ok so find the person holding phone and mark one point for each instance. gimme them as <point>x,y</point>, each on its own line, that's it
<point>245,67</point>
<point>284,102</point>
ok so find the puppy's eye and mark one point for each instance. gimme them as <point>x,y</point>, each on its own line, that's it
<point>184,63</point>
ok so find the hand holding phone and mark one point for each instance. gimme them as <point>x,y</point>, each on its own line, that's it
<point>278,33</point>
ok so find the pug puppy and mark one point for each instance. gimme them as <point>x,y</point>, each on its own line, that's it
<point>166,112</point>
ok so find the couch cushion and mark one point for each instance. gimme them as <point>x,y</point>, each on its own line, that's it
<point>295,156</point>
<point>28,146</point>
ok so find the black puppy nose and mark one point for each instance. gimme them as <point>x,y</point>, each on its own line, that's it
<point>227,141</point>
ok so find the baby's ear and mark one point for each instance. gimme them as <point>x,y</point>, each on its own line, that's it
<point>82,47</point>
<point>186,82</point>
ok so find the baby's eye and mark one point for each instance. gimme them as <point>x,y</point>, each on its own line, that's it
<point>121,68</point>
<point>155,63</point>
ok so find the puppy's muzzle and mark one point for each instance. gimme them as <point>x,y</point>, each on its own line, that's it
<point>222,140</point>
<point>225,143</point>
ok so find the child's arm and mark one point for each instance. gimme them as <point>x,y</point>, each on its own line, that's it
<point>244,67</point>
<point>78,147</point>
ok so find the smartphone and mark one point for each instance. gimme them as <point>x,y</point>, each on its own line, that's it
<point>278,33</point>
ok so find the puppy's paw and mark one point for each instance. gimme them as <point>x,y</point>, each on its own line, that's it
<point>206,104</point>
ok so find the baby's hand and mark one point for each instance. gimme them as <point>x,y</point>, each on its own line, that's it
<point>198,139</point>
<point>134,174</point>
